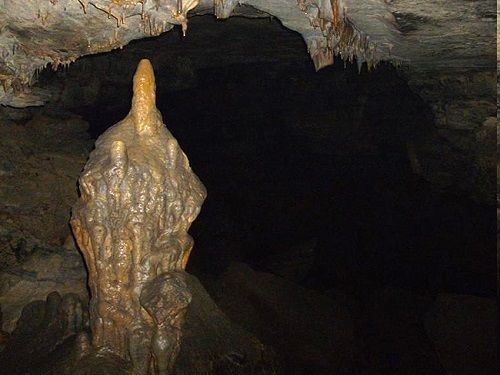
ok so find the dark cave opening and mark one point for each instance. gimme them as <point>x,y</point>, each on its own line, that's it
<point>310,177</point>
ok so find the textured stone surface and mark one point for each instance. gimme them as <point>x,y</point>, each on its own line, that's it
<point>94,81</point>
<point>33,270</point>
<point>4,336</point>
<point>52,338</point>
<point>422,34</point>
<point>214,344</point>
<point>58,32</point>
<point>41,156</point>
<point>446,34</point>
<point>138,200</point>
<point>445,48</point>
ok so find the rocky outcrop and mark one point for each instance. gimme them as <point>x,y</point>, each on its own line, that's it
<point>94,81</point>
<point>54,33</point>
<point>214,344</point>
<point>41,156</point>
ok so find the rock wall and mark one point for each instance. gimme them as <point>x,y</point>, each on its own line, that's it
<point>463,158</point>
<point>41,157</point>
<point>39,269</point>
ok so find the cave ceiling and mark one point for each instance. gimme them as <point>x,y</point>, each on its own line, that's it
<point>421,35</point>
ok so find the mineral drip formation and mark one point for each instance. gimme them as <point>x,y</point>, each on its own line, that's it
<point>138,199</point>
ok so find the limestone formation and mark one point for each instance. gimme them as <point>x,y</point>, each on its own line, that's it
<point>139,197</point>
<point>57,32</point>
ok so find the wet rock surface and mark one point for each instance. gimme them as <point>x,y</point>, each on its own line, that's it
<point>356,214</point>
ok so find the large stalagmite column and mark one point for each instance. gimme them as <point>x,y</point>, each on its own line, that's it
<point>139,197</point>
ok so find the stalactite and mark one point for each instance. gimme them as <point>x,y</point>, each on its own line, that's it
<point>342,37</point>
<point>181,11</point>
<point>224,8</point>
<point>330,20</point>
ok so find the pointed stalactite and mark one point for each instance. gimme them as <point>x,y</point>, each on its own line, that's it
<point>138,199</point>
<point>181,10</point>
<point>340,36</point>
<point>224,8</point>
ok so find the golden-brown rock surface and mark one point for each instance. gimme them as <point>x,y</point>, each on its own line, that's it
<point>139,197</point>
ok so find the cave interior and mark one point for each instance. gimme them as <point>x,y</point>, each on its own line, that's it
<point>343,228</point>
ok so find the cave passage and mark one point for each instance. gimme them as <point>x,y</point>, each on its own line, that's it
<point>313,169</point>
<point>309,174</point>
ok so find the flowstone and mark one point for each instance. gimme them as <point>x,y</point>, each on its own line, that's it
<point>138,199</point>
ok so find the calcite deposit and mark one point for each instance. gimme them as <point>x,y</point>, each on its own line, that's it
<point>139,197</point>
<point>57,32</point>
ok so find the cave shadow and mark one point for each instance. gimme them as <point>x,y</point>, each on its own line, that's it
<point>291,157</point>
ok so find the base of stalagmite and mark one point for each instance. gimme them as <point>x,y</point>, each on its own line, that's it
<point>138,200</point>
<point>209,341</point>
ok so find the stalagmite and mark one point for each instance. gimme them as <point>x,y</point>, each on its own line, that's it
<point>139,197</point>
